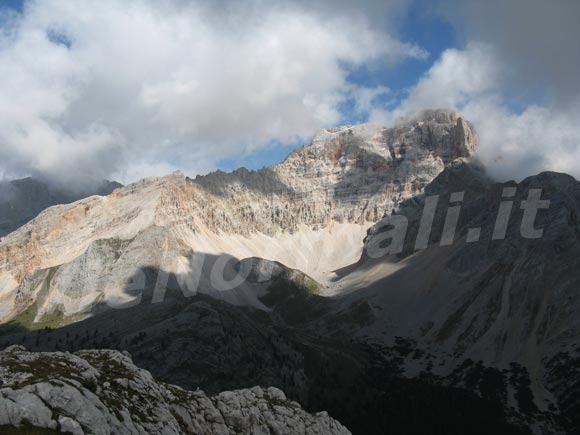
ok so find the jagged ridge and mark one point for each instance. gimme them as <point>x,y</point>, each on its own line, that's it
<point>309,212</point>
<point>101,392</point>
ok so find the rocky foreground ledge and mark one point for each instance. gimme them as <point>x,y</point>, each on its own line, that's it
<point>102,392</point>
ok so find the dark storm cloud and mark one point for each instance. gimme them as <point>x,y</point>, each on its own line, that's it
<point>538,41</point>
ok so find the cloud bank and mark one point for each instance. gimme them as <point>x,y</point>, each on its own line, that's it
<point>516,79</point>
<point>125,89</point>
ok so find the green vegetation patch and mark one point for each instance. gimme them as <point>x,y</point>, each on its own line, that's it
<point>25,320</point>
<point>294,298</point>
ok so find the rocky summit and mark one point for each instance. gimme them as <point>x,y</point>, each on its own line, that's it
<point>310,212</point>
<point>101,392</point>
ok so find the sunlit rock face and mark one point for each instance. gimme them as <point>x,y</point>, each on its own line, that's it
<point>22,200</point>
<point>310,212</point>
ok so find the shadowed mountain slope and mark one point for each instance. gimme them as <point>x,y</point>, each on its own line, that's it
<point>22,200</point>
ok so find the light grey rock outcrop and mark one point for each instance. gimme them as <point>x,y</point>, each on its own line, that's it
<point>103,392</point>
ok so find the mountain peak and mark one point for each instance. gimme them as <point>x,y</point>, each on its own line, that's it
<point>361,131</point>
<point>323,197</point>
<point>425,143</point>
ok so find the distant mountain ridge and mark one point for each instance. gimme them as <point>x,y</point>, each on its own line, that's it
<point>23,199</point>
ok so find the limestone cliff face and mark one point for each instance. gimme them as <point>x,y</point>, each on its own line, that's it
<point>347,174</point>
<point>102,392</point>
<point>309,212</point>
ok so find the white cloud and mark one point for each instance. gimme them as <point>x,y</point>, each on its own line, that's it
<point>516,80</point>
<point>513,144</point>
<point>147,87</point>
<point>457,78</point>
<point>516,145</point>
<point>125,89</point>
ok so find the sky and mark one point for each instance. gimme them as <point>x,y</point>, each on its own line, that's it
<point>124,89</point>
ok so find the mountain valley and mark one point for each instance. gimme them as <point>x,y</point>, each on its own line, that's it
<point>473,336</point>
